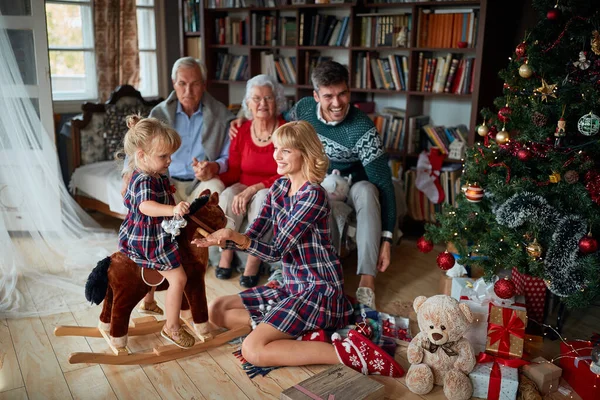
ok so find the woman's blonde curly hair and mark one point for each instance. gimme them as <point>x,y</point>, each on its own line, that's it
<point>302,136</point>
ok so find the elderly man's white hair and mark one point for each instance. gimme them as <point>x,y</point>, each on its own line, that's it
<point>276,87</point>
<point>188,62</point>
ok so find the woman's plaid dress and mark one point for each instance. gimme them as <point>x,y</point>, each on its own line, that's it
<point>141,237</point>
<point>312,296</point>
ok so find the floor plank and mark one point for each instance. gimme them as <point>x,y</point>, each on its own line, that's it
<point>10,373</point>
<point>15,394</point>
<point>41,372</point>
<point>130,382</point>
<point>65,345</point>
<point>171,381</point>
<point>89,383</point>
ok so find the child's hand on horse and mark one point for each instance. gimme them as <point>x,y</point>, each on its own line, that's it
<point>182,208</point>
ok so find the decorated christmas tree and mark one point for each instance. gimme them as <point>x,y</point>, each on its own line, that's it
<point>531,185</point>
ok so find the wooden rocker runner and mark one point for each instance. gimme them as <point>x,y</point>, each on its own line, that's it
<point>121,284</point>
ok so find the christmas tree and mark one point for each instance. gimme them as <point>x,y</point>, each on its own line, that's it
<point>531,187</point>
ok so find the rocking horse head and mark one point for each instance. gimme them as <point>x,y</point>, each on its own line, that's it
<point>205,215</point>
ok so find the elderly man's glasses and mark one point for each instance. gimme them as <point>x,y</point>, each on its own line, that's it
<point>258,100</point>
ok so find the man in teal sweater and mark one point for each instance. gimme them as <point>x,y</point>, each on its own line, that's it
<point>354,147</point>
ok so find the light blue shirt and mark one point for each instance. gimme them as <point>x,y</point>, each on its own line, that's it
<point>190,131</point>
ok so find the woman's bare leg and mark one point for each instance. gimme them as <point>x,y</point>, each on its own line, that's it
<point>252,265</point>
<point>228,312</point>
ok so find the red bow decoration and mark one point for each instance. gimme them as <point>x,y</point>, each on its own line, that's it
<point>511,325</point>
<point>496,374</point>
<point>172,189</point>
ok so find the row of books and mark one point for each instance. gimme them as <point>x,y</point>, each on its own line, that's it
<point>390,125</point>
<point>420,208</point>
<point>193,47</point>
<point>447,28</point>
<point>282,68</point>
<point>231,31</point>
<point>323,30</point>
<point>245,3</point>
<point>384,30</point>
<point>231,67</point>
<point>441,137</point>
<point>450,74</point>
<point>191,16</point>
<point>389,72</point>
<point>270,31</point>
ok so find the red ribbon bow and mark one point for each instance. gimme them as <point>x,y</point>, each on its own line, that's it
<point>511,325</point>
<point>496,374</point>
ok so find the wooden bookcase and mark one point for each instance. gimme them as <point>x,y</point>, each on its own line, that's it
<point>490,51</point>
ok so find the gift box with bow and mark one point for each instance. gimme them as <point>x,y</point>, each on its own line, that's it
<point>495,378</point>
<point>575,361</point>
<point>506,332</point>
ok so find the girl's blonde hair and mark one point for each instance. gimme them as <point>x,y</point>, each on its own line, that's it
<point>302,136</point>
<point>149,135</point>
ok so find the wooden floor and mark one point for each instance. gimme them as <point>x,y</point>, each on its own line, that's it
<point>33,362</point>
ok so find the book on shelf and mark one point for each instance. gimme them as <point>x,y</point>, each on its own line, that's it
<point>442,137</point>
<point>385,29</point>
<point>449,74</point>
<point>447,28</point>
<point>415,124</point>
<point>389,72</point>
<point>390,126</point>
<point>191,16</point>
<point>194,47</point>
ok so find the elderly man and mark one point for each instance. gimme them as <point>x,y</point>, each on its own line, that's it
<point>202,122</point>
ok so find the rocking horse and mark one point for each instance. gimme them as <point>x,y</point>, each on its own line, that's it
<point>121,283</point>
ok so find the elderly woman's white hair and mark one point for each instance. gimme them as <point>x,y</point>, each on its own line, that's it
<point>265,80</point>
<point>188,62</point>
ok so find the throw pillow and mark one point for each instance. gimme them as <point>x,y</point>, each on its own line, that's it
<point>115,126</point>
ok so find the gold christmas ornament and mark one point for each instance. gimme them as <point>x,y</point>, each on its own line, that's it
<point>554,178</point>
<point>525,71</point>
<point>464,188</point>
<point>534,249</point>
<point>596,43</point>
<point>483,130</point>
<point>546,90</point>
<point>502,137</point>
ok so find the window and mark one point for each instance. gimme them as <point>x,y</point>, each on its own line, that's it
<point>146,23</point>
<point>71,49</point>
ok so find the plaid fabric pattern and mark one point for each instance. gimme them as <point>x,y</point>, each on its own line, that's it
<point>141,237</point>
<point>312,296</point>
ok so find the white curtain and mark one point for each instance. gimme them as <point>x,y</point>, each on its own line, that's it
<point>42,269</point>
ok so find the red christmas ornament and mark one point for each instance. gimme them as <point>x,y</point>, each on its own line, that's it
<point>504,114</point>
<point>474,193</point>
<point>524,155</point>
<point>520,50</point>
<point>553,14</point>
<point>588,245</point>
<point>445,261</point>
<point>504,288</point>
<point>424,245</point>
<point>592,185</point>
<point>364,329</point>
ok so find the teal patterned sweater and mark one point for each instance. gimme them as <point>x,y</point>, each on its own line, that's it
<point>354,147</point>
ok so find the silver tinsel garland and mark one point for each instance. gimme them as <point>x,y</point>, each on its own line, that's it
<point>563,270</point>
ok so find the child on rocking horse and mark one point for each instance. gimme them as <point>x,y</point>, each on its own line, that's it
<point>149,144</point>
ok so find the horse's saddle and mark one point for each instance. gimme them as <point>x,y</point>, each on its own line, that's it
<point>151,277</point>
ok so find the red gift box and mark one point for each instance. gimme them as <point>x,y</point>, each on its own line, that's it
<point>534,290</point>
<point>576,369</point>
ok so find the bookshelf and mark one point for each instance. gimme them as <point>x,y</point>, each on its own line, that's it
<point>245,35</point>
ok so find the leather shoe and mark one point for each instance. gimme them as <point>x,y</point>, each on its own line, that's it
<point>249,281</point>
<point>223,273</point>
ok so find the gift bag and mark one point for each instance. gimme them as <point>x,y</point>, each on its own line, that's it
<point>575,362</point>
<point>534,290</point>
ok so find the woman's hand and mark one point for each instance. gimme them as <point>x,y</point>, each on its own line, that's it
<point>241,200</point>
<point>217,238</point>
<point>234,126</point>
<point>182,208</point>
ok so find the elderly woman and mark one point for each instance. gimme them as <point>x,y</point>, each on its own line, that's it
<point>252,169</point>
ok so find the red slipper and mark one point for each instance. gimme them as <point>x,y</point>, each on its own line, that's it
<point>378,361</point>
<point>348,354</point>
<point>313,336</point>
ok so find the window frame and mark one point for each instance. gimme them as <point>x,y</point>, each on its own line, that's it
<point>159,32</point>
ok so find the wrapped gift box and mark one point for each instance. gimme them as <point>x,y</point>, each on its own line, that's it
<point>576,369</point>
<point>506,331</point>
<point>544,374</point>
<point>339,381</point>
<point>458,286</point>
<point>494,381</point>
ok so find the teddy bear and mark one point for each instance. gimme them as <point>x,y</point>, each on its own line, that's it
<point>337,186</point>
<point>439,354</point>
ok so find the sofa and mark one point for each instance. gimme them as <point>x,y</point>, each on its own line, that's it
<point>97,135</point>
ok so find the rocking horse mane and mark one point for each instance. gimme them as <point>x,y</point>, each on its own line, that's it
<point>198,203</point>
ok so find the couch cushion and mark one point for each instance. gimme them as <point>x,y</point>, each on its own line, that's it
<point>115,126</point>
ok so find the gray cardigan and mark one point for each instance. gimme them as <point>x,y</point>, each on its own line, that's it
<point>215,127</point>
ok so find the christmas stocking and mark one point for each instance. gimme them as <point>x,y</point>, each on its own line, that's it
<point>314,336</point>
<point>428,175</point>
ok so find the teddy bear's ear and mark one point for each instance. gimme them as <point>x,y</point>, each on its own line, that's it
<point>419,302</point>
<point>467,311</point>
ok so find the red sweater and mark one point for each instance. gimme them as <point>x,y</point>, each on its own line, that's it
<point>250,164</point>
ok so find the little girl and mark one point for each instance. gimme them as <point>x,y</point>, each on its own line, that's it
<point>149,145</point>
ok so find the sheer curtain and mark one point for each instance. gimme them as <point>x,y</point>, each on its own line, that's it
<point>43,268</point>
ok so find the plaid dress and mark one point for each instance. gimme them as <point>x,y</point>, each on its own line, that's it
<point>141,237</point>
<point>312,296</point>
